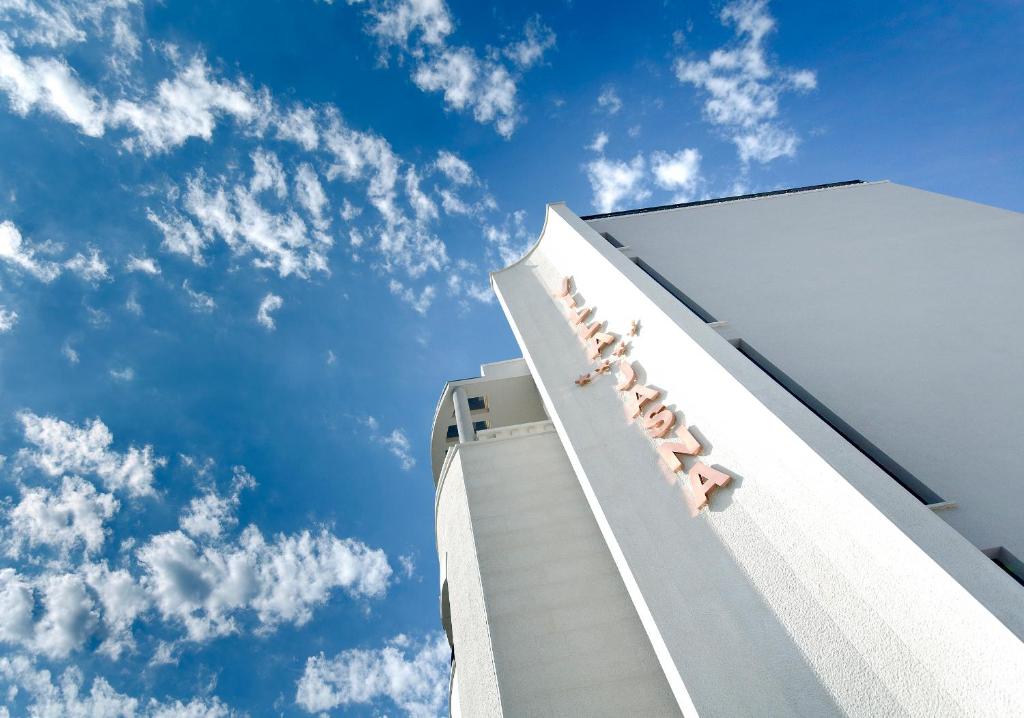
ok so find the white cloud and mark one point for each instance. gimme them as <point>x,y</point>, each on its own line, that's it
<point>270,303</point>
<point>17,252</point>
<point>67,696</point>
<point>403,242</point>
<point>211,515</point>
<point>204,586</point>
<point>8,318</point>
<point>50,86</point>
<point>453,204</point>
<point>395,442</point>
<point>459,286</point>
<point>16,607</point>
<point>678,173</point>
<point>511,240</point>
<point>743,87</point>
<point>398,444</point>
<point>468,79</point>
<point>132,304</point>
<point>232,211</point>
<point>599,143</point>
<point>349,211</point>
<point>454,167</point>
<point>124,374</point>
<point>609,100</point>
<point>537,39</point>
<point>69,616</point>
<point>310,194</point>
<point>32,24</point>
<point>199,301</point>
<point>267,173</point>
<point>765,143</point>
<point>299,125</point>
<point>616,182</point>
<point>408,564</point>
<point>420,304</point>
<point>359,155</point>
<point>395,21</point>
<point>66,520</point>
<point>412,675</point>
<point>146,265</point>
<point>422,205</point>
<point>97,317</point>
<point>64,448</point>
<point>91,268</point>
<point>180,235</point>
<point>56,24</point>
<point>122,601</point>
<point>69,352</point>
<point>471,82</point>
<point>185,106</point>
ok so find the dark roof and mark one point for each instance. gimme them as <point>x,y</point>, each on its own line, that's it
<point>644,210</point>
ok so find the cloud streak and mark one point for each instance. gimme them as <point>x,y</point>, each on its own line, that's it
<point>743,87</point>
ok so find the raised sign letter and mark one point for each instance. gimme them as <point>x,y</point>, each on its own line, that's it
<point>563,289</point>
<point>578,315</point>
<point>585,332</point>
<point>598,343</point>
<point>658,420</point>
<point>628,375</point>
<point>684,444</point>
<point>641,395</point>
<point>703,480</point>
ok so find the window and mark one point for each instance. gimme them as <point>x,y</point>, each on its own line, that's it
<point>453,430</point>
<point>1008,562</point>
<point>476,403</point>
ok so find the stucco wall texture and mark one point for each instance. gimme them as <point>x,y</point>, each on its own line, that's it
<point>898,309</point>
<point>460,567</point>
<point>815,585</point>
<point>566,639</point>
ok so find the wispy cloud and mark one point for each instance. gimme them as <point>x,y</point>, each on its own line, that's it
<point>62,448</point>
<point>145,265</point>
<point>410,675</point>
<point>8,318</point>
<point>268,305</point>
<point>20,254</point>
<point>394,441</point>
<point>743,86</point>
<point>617,181</point>
<point>199,585</point>
<point>609,100</point>
<point>618,184</point>
<point>199,301</point>
<point>481,83</point>
<point>123,374</point>
<point>420,303</point>
<point>69,697</point>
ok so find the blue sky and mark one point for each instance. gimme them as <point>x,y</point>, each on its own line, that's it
<point>243,245</point>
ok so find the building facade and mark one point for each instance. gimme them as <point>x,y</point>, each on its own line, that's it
<point>760,456</point>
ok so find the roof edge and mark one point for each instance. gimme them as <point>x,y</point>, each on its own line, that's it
<point>718,200</point>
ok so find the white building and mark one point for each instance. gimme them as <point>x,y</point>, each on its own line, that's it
<point>818,507</point>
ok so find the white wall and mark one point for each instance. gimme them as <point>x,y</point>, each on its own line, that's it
<point>511,399</point>
<point>898,309</point>
<point>565,637</point>
<point>456,551</point>
<point>813,586</point>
